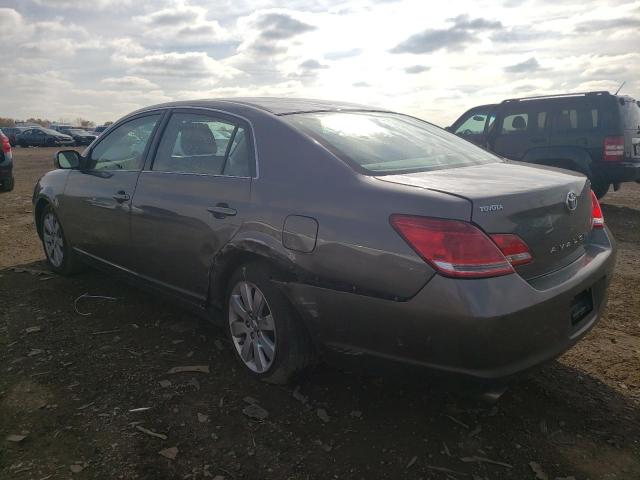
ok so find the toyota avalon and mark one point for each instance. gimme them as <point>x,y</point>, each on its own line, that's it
<point>322,228</point>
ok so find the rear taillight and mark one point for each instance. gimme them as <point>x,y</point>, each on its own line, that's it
<point>597,219</point>
<point>6,146</point>
<point>453,247</point>
<point>513,248</point>
<point>613,149</point>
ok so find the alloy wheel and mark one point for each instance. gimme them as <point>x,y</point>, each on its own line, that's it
<point>53,240</point>
<point>252,326</point>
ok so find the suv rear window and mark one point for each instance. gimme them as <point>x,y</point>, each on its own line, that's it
<point>386,143</point>
<point>630,114</point>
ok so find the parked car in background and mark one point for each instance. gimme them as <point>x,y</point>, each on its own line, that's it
<point>98,130</point>
<point>6,164</point>
<point>595,133</point>
<point>321,227</point>
<point>43,137</point>
<point>80,136</point>
<point>60,127</point>
<point>12,132</point>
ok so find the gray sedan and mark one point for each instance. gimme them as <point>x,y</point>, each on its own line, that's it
<point>321,229</point>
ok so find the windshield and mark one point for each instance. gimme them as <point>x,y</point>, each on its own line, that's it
<point>49,131</point>
<point>385,143</point>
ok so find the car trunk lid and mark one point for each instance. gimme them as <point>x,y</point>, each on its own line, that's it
<point>529,201</point>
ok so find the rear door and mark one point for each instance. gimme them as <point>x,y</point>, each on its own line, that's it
<point>191,199</point>
<point>97,199</point>
<point>521,126</point>
<point>474,124</point>
<point>577,122</point>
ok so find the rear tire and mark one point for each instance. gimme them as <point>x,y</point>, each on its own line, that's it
<point>60,256</point>
<point>268,336</point>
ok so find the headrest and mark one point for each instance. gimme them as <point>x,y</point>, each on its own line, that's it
<point>197,139</point>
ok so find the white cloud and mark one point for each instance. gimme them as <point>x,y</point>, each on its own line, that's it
<point>181,24</point>
<point>176,64</point>
<point>129,82</point>
<point>102,58</point>
<point>82,4</point>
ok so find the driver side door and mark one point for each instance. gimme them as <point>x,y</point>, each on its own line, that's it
<point>96,204</point>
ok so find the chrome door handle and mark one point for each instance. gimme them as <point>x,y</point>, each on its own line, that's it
<point>222,210</point>
<point>121,196</point>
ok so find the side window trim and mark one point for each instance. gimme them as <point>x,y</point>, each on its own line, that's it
<point>236,120</point>
<point>154,134</point>
<point>228,149</point>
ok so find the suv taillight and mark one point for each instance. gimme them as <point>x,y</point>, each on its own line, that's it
<point>6,146</point>
<point>459,249</point>
<point>597,219</point>
<point>613,149</point>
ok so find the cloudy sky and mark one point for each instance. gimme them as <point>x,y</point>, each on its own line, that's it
<point>100,59</point>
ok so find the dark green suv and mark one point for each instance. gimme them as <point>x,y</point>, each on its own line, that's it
<point>595,133</point>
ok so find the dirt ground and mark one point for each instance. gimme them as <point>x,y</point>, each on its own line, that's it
<point>91,394</point>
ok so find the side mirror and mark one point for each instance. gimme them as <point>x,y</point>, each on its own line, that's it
<point>67,159</point>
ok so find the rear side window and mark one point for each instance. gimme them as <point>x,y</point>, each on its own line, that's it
<point>386,143</point>
<point>194,143</point>
<point>515,123</point>
<point>573,119</point>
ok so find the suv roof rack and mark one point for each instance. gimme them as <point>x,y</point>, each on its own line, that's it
<point>560,95</point>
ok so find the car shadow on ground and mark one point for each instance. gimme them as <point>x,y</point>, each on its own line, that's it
<point>626,220</point>
<point>77,370</point>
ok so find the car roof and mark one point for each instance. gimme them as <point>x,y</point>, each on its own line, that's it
<point>274,105</point>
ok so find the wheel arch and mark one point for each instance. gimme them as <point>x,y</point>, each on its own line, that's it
<point>571,158</point>
<point>240,252</point>
<point>39,208</point>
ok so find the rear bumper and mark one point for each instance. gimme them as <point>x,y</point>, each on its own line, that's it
<point>622,172</point>
<point>486,328</point>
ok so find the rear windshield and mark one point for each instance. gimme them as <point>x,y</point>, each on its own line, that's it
<point>630,114</point>
<point>385,143</point>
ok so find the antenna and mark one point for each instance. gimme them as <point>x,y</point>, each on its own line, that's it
<point>620,87</point>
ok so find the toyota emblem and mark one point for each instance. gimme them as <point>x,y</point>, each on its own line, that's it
<point>572,201</point>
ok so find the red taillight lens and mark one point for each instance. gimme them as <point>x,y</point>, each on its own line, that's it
<point>613,149</point>
<point>513,248</point>
<point>597,219</point>
<point>6,146</point>
<point>453,247</point>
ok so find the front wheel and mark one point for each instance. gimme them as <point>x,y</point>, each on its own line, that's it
<point>268,336</point>
<point>60,256</point>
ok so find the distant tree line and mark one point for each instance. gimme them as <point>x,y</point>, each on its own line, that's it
<point>78,122</point>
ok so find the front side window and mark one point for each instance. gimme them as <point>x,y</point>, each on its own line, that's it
<point>386,143</point>
<point>123,148</point>
<point>194,143</point>
<point>473,125</point>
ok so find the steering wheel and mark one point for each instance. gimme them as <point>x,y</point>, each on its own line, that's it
<point>467,132</point>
